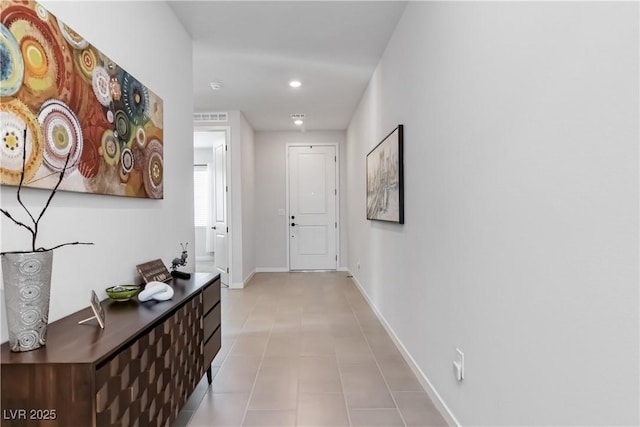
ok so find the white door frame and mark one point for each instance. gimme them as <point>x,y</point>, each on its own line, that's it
<point>227,136</point>
<point>286,155</point>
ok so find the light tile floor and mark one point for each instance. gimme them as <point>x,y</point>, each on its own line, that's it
<point>305,349</point>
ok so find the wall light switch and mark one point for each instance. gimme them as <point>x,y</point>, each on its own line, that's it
<point>280,212</point>
<point>457,371</point>
<point>458,365</point>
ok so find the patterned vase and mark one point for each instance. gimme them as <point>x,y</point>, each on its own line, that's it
<point>27,287</point>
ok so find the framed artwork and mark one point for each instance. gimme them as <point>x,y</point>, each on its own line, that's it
<point>385,181</point>
<point>61,97</point>
<point>154,271</point>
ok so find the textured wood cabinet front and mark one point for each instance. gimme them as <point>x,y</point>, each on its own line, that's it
<point>211,295</point>
<point>212,347</point>
<point>137,372</point>
<point>212,321</point>
<point>148,382</point>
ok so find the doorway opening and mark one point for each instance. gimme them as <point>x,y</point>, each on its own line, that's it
<point>210,169</point>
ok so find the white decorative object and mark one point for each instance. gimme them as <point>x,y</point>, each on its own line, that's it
<point>156,290</point>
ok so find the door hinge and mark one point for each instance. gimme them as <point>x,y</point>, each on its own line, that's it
<point>335,159</point>
<point>226,148</point>
<point>227,270</point>
<point>336,257</point>
<point>226,188</point>
<point>335,191</point>
<point>336,223</point>
<point>227,229</point>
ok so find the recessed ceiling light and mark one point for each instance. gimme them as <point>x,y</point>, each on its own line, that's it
<point>295,83</point>
<point>215,85</point>
<point>298,122</point>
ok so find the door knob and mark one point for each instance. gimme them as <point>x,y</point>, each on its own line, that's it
<point>293,224</point>
<point>293,217</point>
<point>213,228</point>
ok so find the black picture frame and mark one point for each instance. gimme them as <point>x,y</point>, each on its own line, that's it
<point>385,179</point>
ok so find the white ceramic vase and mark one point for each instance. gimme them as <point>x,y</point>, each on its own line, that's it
<point>27,289</point>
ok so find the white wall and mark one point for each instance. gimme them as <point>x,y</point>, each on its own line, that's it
<point>248,195</point>
<point>125,231</point>
<point>521,239</point>
<point>241,189</point>
<point>270,194</point>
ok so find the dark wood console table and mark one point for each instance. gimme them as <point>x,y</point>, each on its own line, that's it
<point>138,371</point>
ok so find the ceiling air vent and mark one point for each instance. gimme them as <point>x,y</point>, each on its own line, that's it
<point>210,117</point>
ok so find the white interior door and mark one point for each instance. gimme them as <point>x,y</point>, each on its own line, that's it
<point>312,208</point>
<point>219,208</point>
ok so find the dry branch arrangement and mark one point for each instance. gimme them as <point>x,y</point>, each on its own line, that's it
<point>33,229</point>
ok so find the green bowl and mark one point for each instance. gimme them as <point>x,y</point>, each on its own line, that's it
<point>122,292</point>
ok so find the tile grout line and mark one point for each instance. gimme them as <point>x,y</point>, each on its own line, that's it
<point>375,358</point>
<point>235,341</point>
<point>344,392</point>
<point>299,357</point>
<point>255,380</point>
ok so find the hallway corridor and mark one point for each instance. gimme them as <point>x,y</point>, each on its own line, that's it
<point>305,349</point>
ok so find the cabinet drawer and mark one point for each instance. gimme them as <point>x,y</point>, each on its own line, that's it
<point>212,347</point>
<point>211,322</point>
<point>211,295</point>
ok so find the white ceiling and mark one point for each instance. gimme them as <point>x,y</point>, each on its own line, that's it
<point>254,48</point>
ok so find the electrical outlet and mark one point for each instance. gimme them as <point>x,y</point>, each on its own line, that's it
<point>458,365</point>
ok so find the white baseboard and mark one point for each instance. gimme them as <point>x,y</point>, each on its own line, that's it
<point>241,285</point>
<point>424,381</point>
<point>286,270</point>
<point>204,258</point>
<point>248,279</point>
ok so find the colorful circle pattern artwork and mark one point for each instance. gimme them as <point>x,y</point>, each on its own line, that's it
<point>79,108</point>
<point>74,39</point>
<point>123,127</point>
<point>11,63</point>
<point>15,150</point>
<point>127,159</point>
<point>46,61</point>
<point>110,148</point>
<point>100,83</point>
<point>86,61</point>
<point>62,136</point>
<point>153,169</point>
<point>136,100</point>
